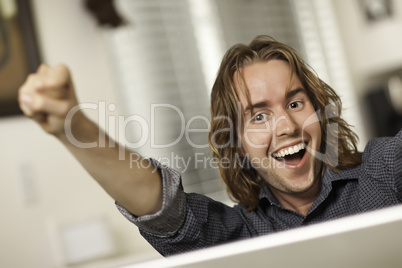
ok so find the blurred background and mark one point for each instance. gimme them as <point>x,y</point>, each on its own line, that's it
<point>128,56</point>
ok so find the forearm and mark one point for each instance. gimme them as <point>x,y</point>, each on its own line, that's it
<point>138,188</point>
<point>48,97</point>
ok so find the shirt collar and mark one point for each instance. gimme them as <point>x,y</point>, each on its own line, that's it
<point>344,174</point>
<point>266,193</point>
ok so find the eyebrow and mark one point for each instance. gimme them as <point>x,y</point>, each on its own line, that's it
<point>292,93</point>
<point>262,104</point>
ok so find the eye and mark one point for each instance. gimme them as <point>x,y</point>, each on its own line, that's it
<point>295,105</point>
<point>260,118</point>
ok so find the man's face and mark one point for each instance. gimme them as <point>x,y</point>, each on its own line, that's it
<point>279,128</point>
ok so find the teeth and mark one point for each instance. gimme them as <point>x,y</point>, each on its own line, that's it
<point>290,150</point>
<point>296,148</point>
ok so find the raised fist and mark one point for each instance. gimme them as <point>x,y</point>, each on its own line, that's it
<point>47,96</point>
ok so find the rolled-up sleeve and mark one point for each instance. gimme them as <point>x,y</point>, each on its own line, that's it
<point>168,220</point>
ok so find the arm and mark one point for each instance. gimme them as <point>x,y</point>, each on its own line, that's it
<point>46,97</point>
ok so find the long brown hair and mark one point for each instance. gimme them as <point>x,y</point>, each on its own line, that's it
<point>338,140</point>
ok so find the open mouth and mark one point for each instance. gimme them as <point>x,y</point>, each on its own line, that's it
<point>291,155</point>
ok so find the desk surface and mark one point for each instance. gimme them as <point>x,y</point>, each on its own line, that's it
<point>368,240</point>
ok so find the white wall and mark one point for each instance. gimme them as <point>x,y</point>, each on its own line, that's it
<point>371,48</point>
<point>59,191</point>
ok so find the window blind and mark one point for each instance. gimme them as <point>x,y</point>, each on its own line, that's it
<point>242,20</point>
<point>163,60</point>
<point>318,27</point>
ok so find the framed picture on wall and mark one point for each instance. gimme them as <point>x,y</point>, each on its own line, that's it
<point>19,54</point>
<point>376,10</point>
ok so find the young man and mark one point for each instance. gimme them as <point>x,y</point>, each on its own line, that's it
<point>285,154</point>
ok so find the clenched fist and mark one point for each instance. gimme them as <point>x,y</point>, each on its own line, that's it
<point>47,96</point>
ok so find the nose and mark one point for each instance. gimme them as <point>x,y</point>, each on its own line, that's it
<point>285,125</point>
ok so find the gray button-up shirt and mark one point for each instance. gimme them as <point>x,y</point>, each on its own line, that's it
<point>192,221</point>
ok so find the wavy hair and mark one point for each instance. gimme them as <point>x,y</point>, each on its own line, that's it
<point>242,181</point>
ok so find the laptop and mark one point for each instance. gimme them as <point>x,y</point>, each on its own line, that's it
<point>368,240</point>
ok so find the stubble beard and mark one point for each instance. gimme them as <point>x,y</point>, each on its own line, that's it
<point>285,185</point>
